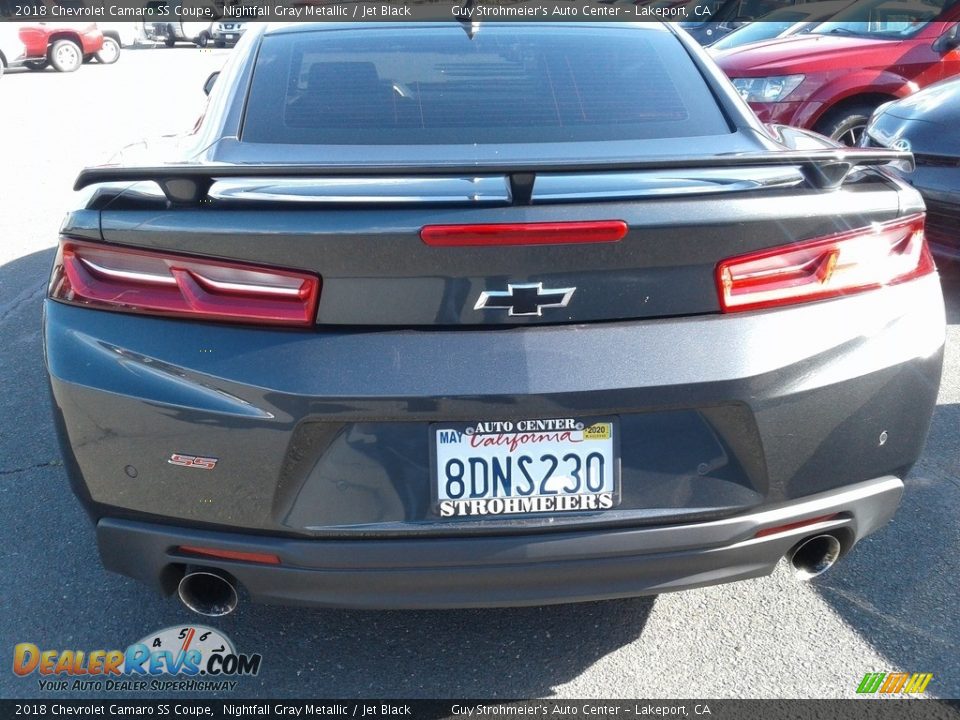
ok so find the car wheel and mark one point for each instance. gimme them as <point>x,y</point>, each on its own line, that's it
<point>169,42</point>
<point>65,56</point>
<point>203,39</point>
<point>36,64</point>
<point>110,52</point>
<point>847,124</point>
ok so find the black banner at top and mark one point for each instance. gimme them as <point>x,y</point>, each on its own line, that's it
<point>387,10</point>
<point>547,709</point>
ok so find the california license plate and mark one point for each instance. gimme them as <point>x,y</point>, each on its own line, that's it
<point>525,466</point>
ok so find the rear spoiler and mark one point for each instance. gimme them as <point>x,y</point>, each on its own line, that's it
<point>824,169</point>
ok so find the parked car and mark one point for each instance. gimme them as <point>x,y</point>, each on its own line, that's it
<point>387,330</point>
<point>124,34</point>
<point>926,124</point>
<point>62,45</point>
<point>227,32</point>
<point>832,80</point>
<point>12,49</point>
<point>172,32</point>
<point>112,44</point>
<point>726,16</point>
<point>780,23</point>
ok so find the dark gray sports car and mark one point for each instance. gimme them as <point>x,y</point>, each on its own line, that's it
<point>442,315</point>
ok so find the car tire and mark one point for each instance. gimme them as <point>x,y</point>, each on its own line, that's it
<point>169,42</point>
<point>109,53</point>
<point>65,56</point>
<point>846,124</point>
<point>3,67</point>
<point>36,65</point>
<point>203,39</point>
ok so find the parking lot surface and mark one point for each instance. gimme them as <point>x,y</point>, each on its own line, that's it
<point>889,605</point>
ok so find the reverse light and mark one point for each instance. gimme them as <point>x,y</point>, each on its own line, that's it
<point>767,89</point>
<point>142,281</point>
<point>543,233</point>
<point>850,262</point>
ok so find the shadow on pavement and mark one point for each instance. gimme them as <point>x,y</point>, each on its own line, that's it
<point>898,588</point>
<point>519,652</point>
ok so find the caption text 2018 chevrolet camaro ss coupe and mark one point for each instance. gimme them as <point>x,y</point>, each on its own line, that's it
<point>434,315</point>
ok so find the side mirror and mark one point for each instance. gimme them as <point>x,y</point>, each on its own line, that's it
<point>211,81</point>
<point>950,40</point>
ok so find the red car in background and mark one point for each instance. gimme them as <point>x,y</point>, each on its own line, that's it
<point>62,45</point>
<point>834,78</point>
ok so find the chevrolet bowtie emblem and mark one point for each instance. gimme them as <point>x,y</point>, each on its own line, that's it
<point>524,300</point>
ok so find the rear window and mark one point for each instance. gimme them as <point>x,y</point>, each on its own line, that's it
<point>507,84</point>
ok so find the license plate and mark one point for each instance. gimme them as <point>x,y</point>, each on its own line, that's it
<point>525,466</point>
<point>231,37</point>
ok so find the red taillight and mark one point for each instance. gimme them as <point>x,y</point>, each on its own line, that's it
<point>547,233</point>
<point>243,556</point>
<point>862,259</point>
<point>142,281</point>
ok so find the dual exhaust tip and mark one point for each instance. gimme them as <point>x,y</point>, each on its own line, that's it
<point>212,592</point>
<point>814,555</point>
<point>208,591</point>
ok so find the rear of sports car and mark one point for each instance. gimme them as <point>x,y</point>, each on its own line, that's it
<point>447,316</point>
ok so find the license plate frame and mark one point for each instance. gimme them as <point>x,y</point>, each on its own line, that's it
<point>614,492</point>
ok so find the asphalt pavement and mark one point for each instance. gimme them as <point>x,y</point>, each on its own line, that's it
<point>890,605</point>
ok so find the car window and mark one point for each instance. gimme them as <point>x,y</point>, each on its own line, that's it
<point>732,10</point>
<point>506,84</point>
<point>894,19</point>
<point>754,32</point>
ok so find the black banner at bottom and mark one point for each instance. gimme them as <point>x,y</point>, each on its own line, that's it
<point>854,709</point>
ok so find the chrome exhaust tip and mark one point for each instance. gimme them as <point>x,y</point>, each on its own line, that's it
<point>208,592</point>
<point>814,556</point>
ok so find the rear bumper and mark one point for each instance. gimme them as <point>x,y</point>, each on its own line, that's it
<point>501,571</point>
<point>92,42</point>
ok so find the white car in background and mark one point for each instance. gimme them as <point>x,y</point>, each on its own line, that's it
<point>12,50</point>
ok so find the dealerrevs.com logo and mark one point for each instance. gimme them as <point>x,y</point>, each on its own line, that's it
<point>180,658</point>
